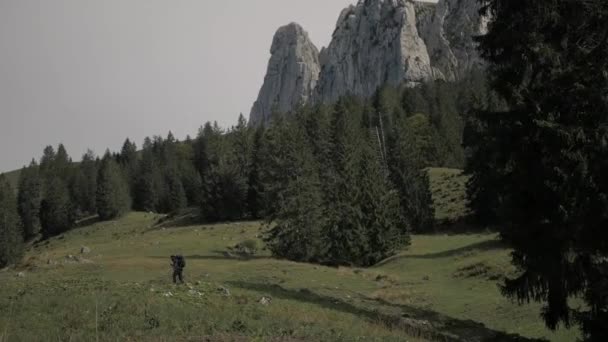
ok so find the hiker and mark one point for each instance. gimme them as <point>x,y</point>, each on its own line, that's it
<point>178,263</point>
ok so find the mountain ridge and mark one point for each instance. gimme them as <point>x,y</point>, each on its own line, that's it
<point>375,42</point>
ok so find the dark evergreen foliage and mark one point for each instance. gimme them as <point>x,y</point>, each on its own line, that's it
<point>292,183</point>
<point>255,188</point>
<point>87,197</point>
<point>147,185</point>
<point>337,184</point>
<point>539,162</point>
<point>56,212</point>
<point>29,196</point>
<point>113,198</point>
<point>326,192</point>
<point>11,232</point>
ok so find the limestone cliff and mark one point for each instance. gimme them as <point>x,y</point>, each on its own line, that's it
<point>375,42</point>
<point>448,29</point>
<point>291,76</point>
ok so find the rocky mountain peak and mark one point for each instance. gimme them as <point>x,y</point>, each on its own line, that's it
<point>376,42</point>
<point>291,76</point>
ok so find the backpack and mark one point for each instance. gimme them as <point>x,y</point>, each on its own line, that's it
<point>181,262</point>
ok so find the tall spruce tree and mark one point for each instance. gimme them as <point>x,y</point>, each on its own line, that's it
<point>112,190</point>
<point>11,233</point>
<point>254,182</point>
<point>386,231</point>
<point>88,170</point>
<point>128,161</point>
<point>297,219</point>
<point>411,149</point>
<point>345,235</point>
<point>224,180</point>
<point>176,195</point>
<point>543,160</point>
<point>56,213</point>
<point>61,165</point>
<point>29,196</point>
<point>47,161</point>
<point>189,176</point>
<point>148,182</point>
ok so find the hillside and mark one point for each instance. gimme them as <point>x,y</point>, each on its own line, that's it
<point>448,187</point>
<point>13,178</point>
<point>444,287</point>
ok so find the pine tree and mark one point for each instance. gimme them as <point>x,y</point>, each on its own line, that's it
<point>411,149</point>
<point>128,161</point>
<point>61,165</point>
<point>29,198</point>
<point>386,231</point>
<point>292,180</point>
<point>89,171</point>
<point>224,180</point>
<point>254,181</point>
<point>542,159</point>
<point>345,235</point>
<point>47,161</point>
<point>11,233</point>
<point>176,196</point>
<point>148,182</point>
<point>56,209</point>
<point>190,178</point>
<point>112,190</point>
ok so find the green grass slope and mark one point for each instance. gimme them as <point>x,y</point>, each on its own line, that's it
<point>448,188</point>
<point>13,178</point>
<point>442,288</point>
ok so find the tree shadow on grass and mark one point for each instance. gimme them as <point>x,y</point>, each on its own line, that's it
<point>219,255</point>
<point>87,221</point>
<point>481,246</point>
<point>415,322</point>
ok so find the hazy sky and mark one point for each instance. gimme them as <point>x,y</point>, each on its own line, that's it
<point>89,73</point>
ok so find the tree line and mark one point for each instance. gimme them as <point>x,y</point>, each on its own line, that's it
<point>315,175</point>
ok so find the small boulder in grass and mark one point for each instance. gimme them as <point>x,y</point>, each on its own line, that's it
<point>223,291</point>
<point>265,300</point>
<point>85,250</point>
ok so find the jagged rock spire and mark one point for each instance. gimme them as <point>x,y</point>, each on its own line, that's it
<point>293,71</point>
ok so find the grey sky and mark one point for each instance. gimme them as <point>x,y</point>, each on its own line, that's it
<point>90,73</point>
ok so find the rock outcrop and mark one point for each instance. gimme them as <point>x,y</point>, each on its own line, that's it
<point>293,71</point>
<point>448,29</point>
<point>375,43</point>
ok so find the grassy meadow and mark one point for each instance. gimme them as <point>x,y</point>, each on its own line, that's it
<point>442,288</point>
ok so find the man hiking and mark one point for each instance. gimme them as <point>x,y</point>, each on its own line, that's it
<point>178,263</point>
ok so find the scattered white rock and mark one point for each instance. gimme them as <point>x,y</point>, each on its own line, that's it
<point>195,293</point>
<point>265,300</point>
<point>21,274</point>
